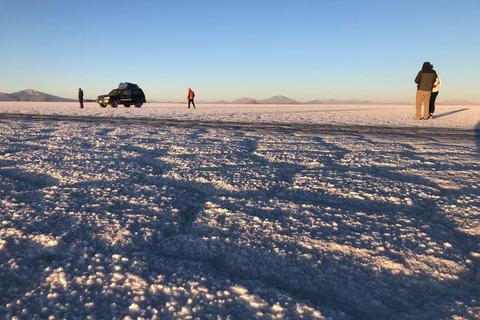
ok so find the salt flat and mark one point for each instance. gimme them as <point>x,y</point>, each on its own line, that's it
<point>446,116</point>
<point>238,212</point>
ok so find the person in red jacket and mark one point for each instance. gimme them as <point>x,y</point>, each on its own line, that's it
<point>190,97</point>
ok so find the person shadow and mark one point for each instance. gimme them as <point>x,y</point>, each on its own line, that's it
<point>450,113</point>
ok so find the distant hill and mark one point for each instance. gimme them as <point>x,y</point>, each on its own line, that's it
<point>244,100</point>
<point>31,95</point>
<point>278,100</point>
<point>6,97</point>
<point>286,100</point>
<point>271,100</point>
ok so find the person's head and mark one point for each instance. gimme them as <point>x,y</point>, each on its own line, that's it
<point>80,89</point>
<point>426,66</point>
<point>189,89</point>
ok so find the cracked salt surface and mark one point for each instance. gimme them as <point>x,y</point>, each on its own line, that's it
<point>204,219</point>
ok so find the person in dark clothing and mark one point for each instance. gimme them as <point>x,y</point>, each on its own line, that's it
<point>190,97</point>
<point>424,80</point>
<point>80,97</point>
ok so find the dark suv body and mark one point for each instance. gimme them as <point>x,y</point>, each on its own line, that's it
<point>126,96</point>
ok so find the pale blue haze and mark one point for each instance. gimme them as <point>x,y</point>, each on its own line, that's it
<point>306,50</point>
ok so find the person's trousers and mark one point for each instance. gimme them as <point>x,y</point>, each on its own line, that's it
<point>423,96</point>
<point>191,100</point>
<point>432,102</point>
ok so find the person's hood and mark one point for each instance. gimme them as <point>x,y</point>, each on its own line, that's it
<point>426,66</point>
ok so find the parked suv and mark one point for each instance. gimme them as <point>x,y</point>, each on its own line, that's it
<point>126,94</point>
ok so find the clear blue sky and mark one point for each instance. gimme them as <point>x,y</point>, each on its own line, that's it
<point>305,50</point>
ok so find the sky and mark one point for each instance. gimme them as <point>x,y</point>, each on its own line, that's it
<point>225,50</point>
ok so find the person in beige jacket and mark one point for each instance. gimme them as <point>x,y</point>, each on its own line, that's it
<point>435,91</point>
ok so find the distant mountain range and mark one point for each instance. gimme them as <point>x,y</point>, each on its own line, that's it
<point>32,95</point>
<point>272,100</point>
<point>286,100</point>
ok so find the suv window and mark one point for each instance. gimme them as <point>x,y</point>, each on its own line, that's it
<point>114,91</point>
<point>137,91</point>
<point>127,92</point>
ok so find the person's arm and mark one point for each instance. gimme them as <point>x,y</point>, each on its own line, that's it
<point>419,77</point>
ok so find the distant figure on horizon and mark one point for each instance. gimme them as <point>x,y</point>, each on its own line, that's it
<point>435,91</point>
<point>190,97</point>
<point>424,80</point>
<point>80,97</point>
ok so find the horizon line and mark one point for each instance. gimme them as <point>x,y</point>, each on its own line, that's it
<point>248,100</point>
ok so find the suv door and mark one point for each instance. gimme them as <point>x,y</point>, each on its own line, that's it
<point>126,96</point>
<point>136,95</point>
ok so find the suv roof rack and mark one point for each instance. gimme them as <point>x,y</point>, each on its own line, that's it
<point>127,85</point>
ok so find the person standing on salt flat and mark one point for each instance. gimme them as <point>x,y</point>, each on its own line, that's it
<point>190,97</point>
<point>435,91</point>
<point>424,80</point>
<point>80,97</point>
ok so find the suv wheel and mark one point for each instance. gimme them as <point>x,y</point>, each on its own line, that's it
<point>103,105</point>
<point>138,104</point>
<point>114,103</point>
<point>127,105</point>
